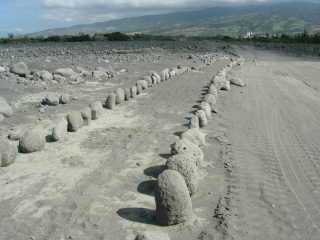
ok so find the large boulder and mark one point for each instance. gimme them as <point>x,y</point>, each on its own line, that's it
<point>213,90</point>
<point>43,76</point>
<point>139,90</point>
<point>133,91</point>
<point>206,108</point>
<point>75,121</point>
<point>156,79</point>
<point>184,146</point>
<point>33,140</point>
<point>173,202</point>
<point>195,136</point>
<point>127,94</point>
<point>60,130</point>
<point>203,121</point>
<point>5,108</point>
<point>8,152</point>
<point>111,101</point>
<point>143,84</point>
<point>96,110</point>
<point>64,99</point>
<point>65,72</point>
<point>51,99</point>
<point>86,114</point>
<point>194,122</point>
<point>120,96</point>
<point>186,166</point>
<point>211,99</point>
<point>165,74</point>
<point>21,69</point>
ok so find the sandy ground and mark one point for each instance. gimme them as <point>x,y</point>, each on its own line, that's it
<point>261,179</point>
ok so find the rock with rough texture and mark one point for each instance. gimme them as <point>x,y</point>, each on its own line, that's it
<point>184,146</point>
<point>237,82</point>
<point>165,74</point>
<point>152,235</point>
<point>203,121</point>
<point>86,114</point>
<point>133,91</point>
<point>60,130</point>
<point>139,90</point>
<point>43,76</point>
<point>173,202</point>
<point>172,73</point>
<point>156,79</point>
<point>75,121</point>
<point>211,99</point>
<point>51,99</point>
<point>111,101</point>
<point>33,140</point>
<point>206,108</point>
<point>65,99</point>
<point>185,164</point>
<point>127,94</point>
<point>65,72</point>
<point>99,75</point>
<point>96,110</point>
<point>143,84</point>
<point>120,96</point>
<point>194,122</point>
<point>225,85</point>
<point>8,152</point>
<point>195,136</point>
<point>5,108</point>
<point>213,90</point>
<point>21,69</point>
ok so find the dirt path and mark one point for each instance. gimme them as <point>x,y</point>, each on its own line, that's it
<point>274,129</point>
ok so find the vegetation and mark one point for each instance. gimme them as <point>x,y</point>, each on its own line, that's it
<point>304,38</point>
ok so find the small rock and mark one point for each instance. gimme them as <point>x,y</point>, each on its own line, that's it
<point>33,140</point>
<point>65,72</point>
<point>111,101</point>
<point>75,121</point>
<point>86,114</point>
<point>195,136</point>
<point>52,99</point>
<point>203,121</point>
<point>152,235</point>
<point>8,152</point>
<point>64,99</point>
<point>60,130</point>
<point>20,69</point>
<point>5,108</point>
<point>96,110</point>
<point>120,96</point>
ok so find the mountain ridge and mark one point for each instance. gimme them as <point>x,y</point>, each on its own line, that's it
<point>272,18</point>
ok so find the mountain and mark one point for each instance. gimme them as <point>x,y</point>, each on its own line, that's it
<point>286,17</point>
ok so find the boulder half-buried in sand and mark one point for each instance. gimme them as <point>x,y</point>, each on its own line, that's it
<point>195,136</point>
<point>33,140</point>
<point>186,166</point>
<point>173,202</point>
<point>8,152</point>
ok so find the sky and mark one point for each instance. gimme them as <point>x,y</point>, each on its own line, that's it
<point>26,16</point>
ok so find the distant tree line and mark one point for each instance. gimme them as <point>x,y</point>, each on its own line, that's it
<point>304,38</point>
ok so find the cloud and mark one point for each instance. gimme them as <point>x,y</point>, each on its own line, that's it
<point>102,10</point>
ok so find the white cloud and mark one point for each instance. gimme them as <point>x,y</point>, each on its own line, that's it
<point>101,10</point>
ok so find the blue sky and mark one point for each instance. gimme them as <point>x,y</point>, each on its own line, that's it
<point>25,16</point>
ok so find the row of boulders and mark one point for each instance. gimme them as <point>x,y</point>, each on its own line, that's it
<point>54,99</point>
<point>179,182</point>
<point>60,75</point>
<point>34,139</point>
